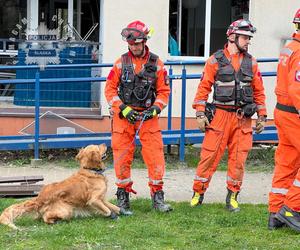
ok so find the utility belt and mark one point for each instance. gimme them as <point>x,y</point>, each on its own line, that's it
<point>247,110</point>
<point>233,110</point>
<point>286,108</point>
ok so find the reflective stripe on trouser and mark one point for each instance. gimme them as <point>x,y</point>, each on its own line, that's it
<point>285,183</point>
<point>152,150</point>
<point>226,130</point>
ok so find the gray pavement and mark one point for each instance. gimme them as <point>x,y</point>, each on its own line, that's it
<point>178,183</point>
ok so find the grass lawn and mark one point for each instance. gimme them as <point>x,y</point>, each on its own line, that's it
<point>207,227</point>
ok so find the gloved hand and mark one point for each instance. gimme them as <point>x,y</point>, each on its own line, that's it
<point>151,112</point>
<point>202,120</point>
<point>130,114</point>
<point>260,124</point>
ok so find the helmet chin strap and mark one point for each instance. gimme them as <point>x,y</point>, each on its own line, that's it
<point>236,42</point>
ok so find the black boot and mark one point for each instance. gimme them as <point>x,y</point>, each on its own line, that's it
<point>274,223</point>
<point>289,217</point>
<point>158,202</point>
<point>231,201</point>
<point>123,201</point>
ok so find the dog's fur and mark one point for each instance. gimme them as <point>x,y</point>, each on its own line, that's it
<point>82,194</point>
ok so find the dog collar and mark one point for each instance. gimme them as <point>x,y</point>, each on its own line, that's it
<point>96,170</point>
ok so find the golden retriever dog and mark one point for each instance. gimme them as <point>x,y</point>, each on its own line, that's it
<point>82,194</point>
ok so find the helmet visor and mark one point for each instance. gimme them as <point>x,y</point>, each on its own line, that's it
<point>246,26</point>
<point>132,35</point>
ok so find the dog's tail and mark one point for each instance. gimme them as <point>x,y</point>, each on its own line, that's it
<point>14,211</point>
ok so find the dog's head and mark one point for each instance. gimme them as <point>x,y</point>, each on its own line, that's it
<point>92,156</point>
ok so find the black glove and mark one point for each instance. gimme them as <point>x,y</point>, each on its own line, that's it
<point>130,114</point>
<point>151,112</point>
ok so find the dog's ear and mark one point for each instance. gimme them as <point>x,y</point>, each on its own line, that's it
<point>79,155</point>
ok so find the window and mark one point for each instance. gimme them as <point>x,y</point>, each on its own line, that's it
<point>198,27</point>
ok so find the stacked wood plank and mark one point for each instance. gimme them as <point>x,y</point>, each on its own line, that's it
<point>20,186</point>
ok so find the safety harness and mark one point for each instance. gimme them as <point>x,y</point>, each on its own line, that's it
<point>234,88</point>
<point>138,90</point>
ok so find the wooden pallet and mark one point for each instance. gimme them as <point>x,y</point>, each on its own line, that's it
<point>17,186</point>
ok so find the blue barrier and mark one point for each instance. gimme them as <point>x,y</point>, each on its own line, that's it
<point>170,137</point>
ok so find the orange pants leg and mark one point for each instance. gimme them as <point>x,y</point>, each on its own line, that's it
<point>213,147</point>
<point>286,178</point>
<point>153,154</point>
<point>123,150</point>
<point>239,144</point>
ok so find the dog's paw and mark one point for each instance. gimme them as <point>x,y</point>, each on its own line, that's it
<point>114,216</point>
<point>125,212</point>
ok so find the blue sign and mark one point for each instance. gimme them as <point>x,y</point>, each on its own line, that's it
<point>42,52</point>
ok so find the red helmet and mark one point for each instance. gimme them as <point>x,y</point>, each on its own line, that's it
<point>135,32</point>
<point>241,27</point>
<point>297,17</point>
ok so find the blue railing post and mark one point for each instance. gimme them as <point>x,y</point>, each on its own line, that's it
<point>170,107</point>
<point>37,116</point>
<point>182,127</point>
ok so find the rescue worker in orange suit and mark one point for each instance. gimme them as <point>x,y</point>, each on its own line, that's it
<point>284,198</point>
<point>137,90</point>
<point>238,94</point>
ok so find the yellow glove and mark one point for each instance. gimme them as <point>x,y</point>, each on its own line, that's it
<point>151,112</point>
<point>202,121</point>
<point>130,114</point>
<point>260,124</point>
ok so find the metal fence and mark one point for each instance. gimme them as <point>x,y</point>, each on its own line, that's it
<point>179,137</point>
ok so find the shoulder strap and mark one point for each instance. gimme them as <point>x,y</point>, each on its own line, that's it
<point>152,60</point>
<point>221,58</point>
<point>247,62</point>
<point>126,63</point>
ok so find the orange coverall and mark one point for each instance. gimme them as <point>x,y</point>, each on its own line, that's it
<point>226,129</point>
<point>286,180</point>
<point>150,133</point>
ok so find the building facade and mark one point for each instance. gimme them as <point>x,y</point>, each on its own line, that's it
<point>196,27</point>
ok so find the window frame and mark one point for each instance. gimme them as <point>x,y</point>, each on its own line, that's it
<point>206,34</point>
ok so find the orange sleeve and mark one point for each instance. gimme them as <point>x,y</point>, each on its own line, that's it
<point>258,90</point>
<point>206,82</point>
<point>111,86</point>
<point>162,86</point>
<point>294,80</point>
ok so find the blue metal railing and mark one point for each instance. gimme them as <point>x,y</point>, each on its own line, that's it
<point>178,137</point>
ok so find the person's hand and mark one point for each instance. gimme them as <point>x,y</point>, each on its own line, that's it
<point>130,114</point>
<point>260,124</point>
<point>202,120</point>
<point>151,112</point>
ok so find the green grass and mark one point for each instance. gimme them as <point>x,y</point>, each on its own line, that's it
<point>207,227</point>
